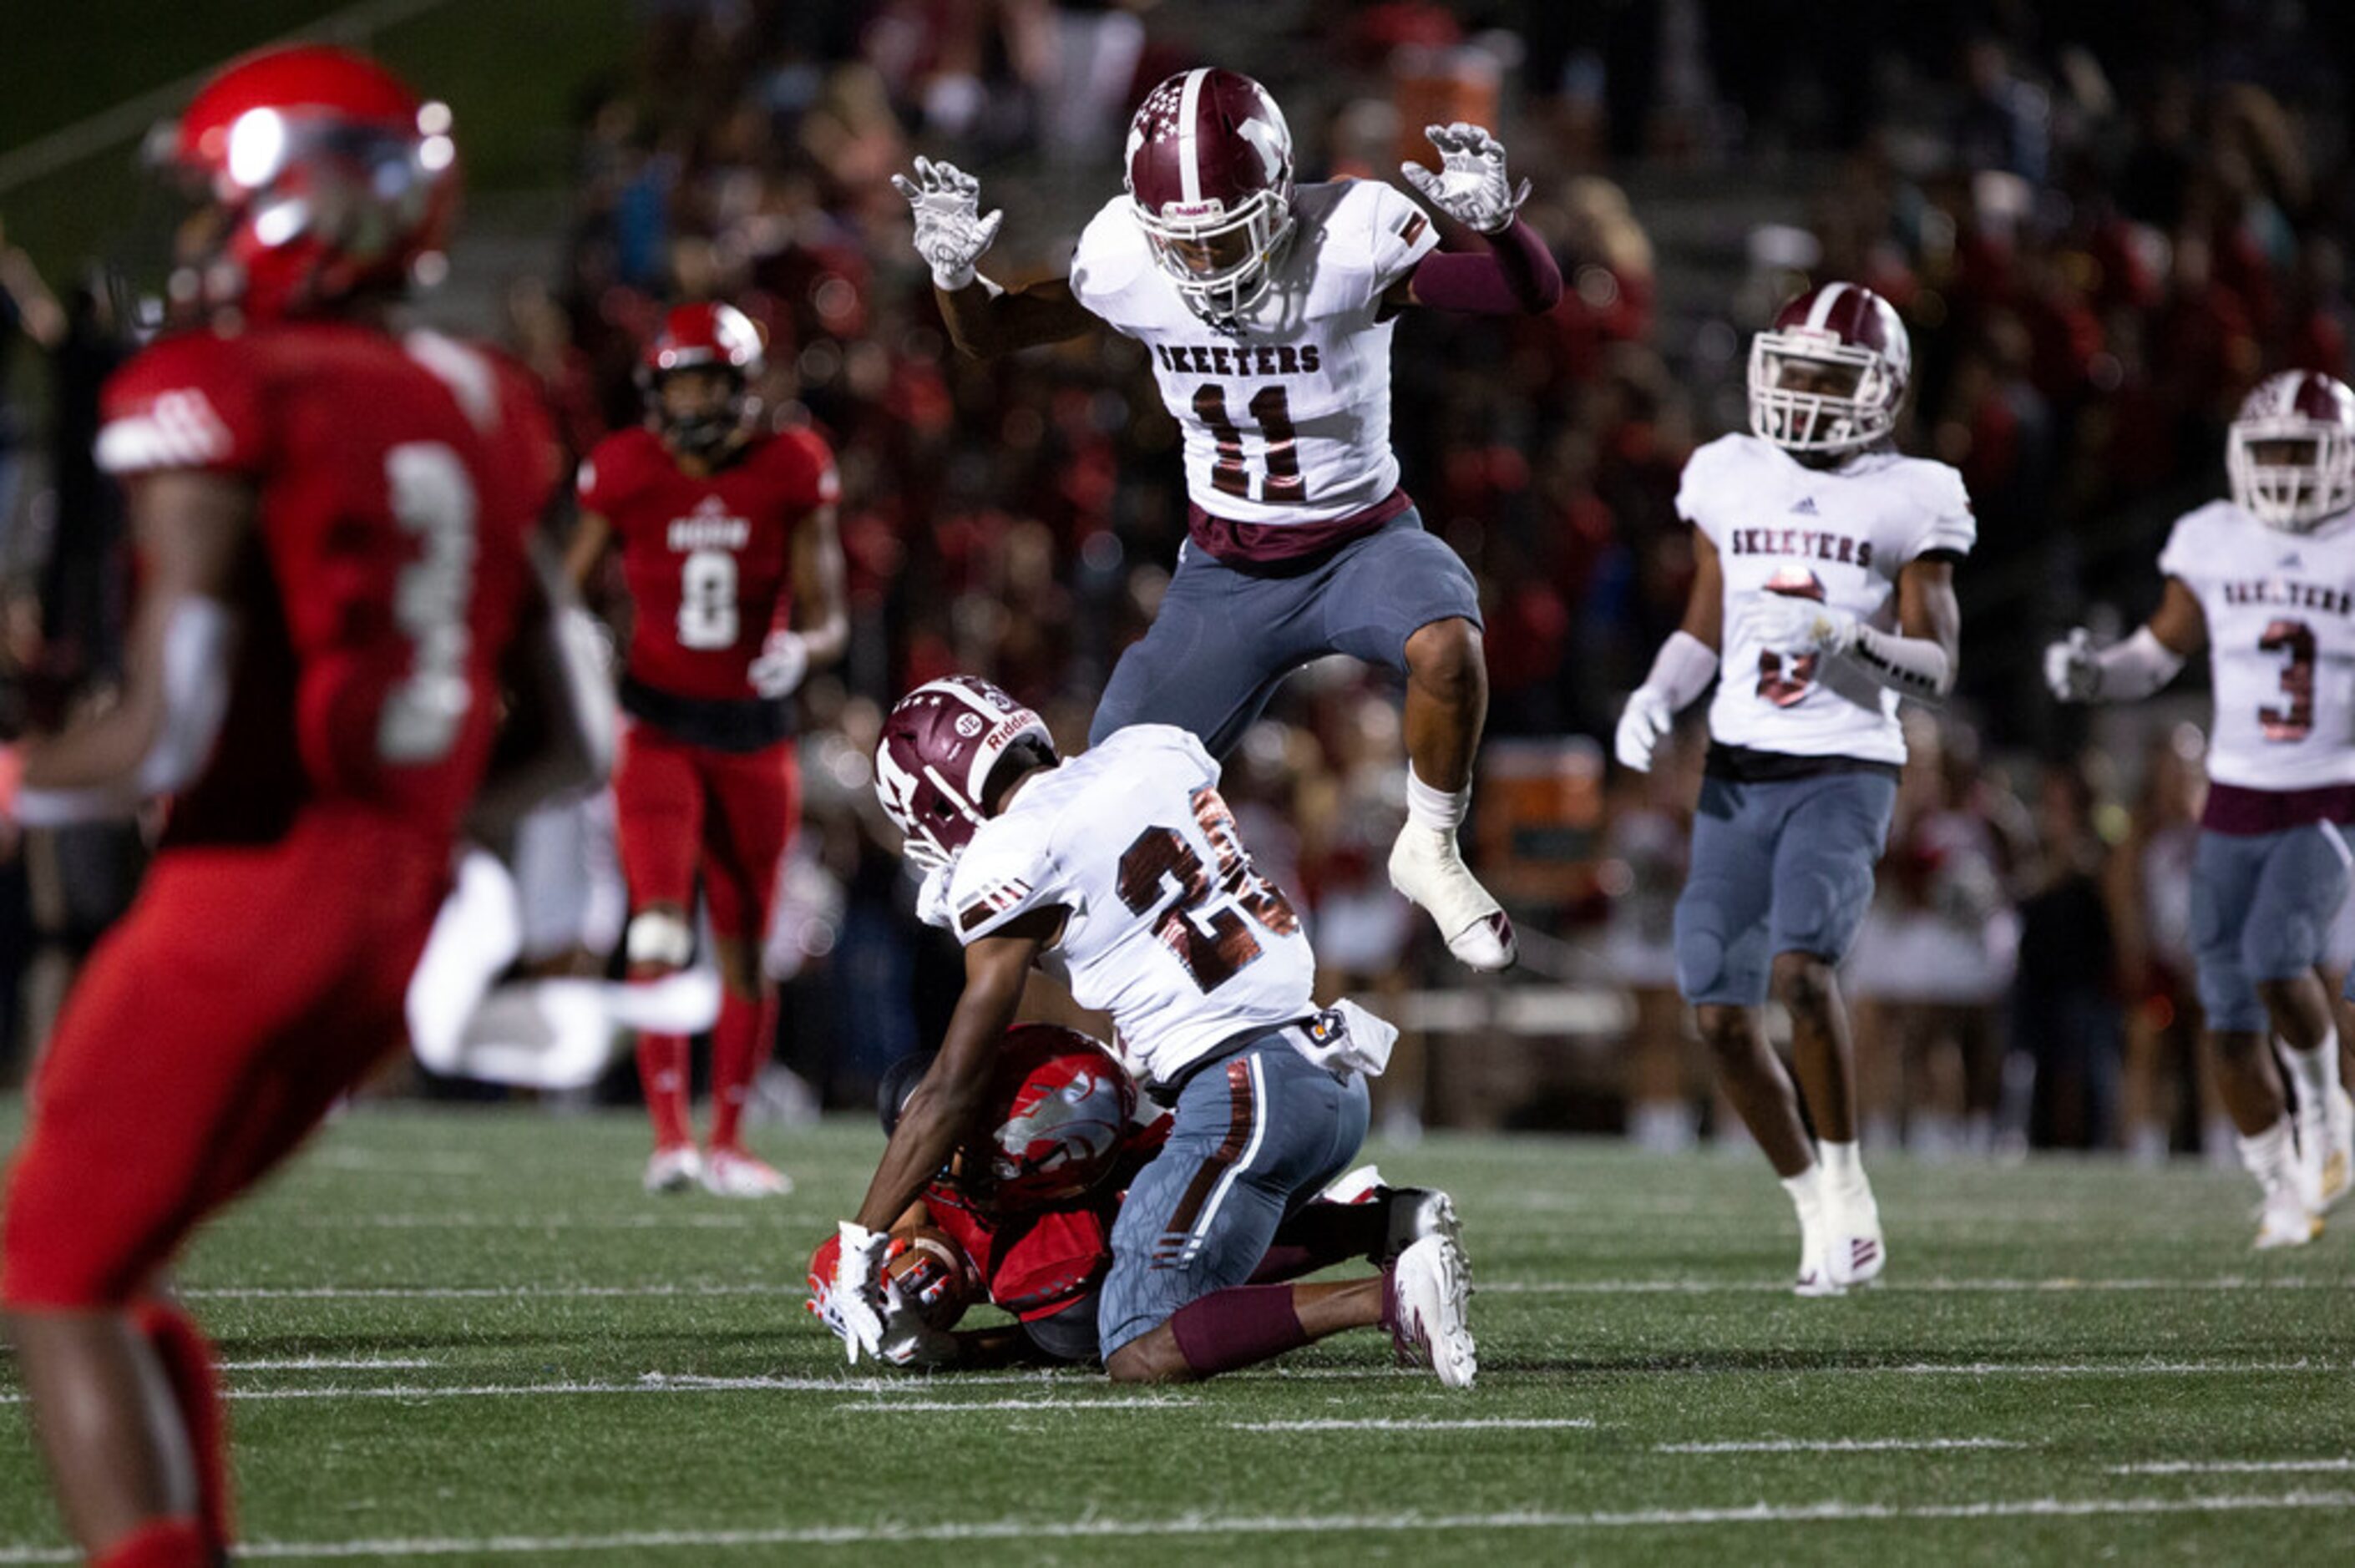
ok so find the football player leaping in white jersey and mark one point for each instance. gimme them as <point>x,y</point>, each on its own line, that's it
<point>2266,582</point>
<point>1824,591</point>
<point>1122,867</point>
<point>1269,308</point>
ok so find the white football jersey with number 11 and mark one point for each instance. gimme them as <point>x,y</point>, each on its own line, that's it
<point>1286,414</point>
<point>1172,930</point>
<point>2281,643</point>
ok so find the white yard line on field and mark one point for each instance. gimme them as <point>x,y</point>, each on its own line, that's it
<point>2229,1467</point>
<point>526,1220</point>
<point>2059,1285</point>
<point>1421,1423</point>
<point>1836,1446</point>
<point>474,1292</point>
<point>1031,1530</point>
<point>329,1364</point>
<point>897,1406</point>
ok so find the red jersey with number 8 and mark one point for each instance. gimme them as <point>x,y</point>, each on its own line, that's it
<point>708,561</point>
<point>398,480</point>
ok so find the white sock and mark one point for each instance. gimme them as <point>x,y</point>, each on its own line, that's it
<point>1442,810</point>
<point>2314,1071</point>
<point>1806,1190</point>
<point>2268,1155</point>
<point>1843,1169</point>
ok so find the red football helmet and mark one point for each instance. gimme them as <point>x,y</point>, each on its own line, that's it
<point>2291,451</point>
<point>323,175</point>
<point>702,336</point>
<point>1829,375</point>
<point>1063,1106</point>
<point>1208,169</point>
<point>939,745</point>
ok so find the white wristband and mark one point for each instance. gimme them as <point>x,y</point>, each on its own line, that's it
<point>2136,667</point>
<point>1682,669</point>
<point>1910,667</point>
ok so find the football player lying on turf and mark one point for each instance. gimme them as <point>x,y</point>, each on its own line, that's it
<point>1022,1215</point>
<point>1125,864</point>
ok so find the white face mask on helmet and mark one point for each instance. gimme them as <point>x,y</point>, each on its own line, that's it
<point>2290,455</point>
<point>1208,172</point>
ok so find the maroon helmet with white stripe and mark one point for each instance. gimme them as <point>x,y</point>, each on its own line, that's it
<point>1208,169</point>
<point>2291,451</point>
<point>1829,375</point>
<point>932,764</point>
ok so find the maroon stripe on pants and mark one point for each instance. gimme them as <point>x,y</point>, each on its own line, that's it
<point>1239,1105</point>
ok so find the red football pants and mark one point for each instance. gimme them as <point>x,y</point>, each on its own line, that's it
<point>684,808</point>
<point>245,991</point>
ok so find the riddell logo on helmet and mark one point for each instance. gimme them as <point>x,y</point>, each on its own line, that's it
<point>1193,211</point>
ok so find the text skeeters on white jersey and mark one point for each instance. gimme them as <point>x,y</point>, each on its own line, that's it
<point>1286,413</point>
<point>1840,535</point>
<point>1172,930</point>
<point>2281,644</point>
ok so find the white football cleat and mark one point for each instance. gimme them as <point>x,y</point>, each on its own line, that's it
<point>2285,1220</point>
<point>1853,1250</point>
<point>2326,1150</point>
<point>674,1169</point>
<point>732,1173</point>
<point>1427,867</point>
<point>1430,1301</point>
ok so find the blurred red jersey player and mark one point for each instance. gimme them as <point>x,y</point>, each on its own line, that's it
<point>725,531</point>
<point>336,601</point>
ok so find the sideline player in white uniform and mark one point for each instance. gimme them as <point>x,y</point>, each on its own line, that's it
<point>1269,309</point>
<point>1824,591</point>
<point>1125,864</point>
<point>2265,581</point>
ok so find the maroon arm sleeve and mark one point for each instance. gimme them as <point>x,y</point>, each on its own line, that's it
<point>1515,274</point>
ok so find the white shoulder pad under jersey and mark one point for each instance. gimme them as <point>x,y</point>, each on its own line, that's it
<point>1838,535</point>
<point>2281,644</point>
<point>1286,411</point>
<point>1171,929</point>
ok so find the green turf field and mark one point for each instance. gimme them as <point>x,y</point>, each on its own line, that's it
<point>467,1336</point>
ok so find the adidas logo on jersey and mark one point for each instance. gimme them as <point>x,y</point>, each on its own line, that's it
<point>1807,506</point>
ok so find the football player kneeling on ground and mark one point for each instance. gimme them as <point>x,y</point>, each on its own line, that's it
<point>1125,864</point>
<point>1021,1218</point>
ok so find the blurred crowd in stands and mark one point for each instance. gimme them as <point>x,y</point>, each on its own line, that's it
<point>2103,221</point>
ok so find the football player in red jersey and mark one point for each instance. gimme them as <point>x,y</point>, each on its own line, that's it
<point>734,575</point>
<point>336,597</point>
<point>1030,1200</point>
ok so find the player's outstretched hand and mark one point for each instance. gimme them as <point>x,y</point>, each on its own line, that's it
<point>950,233</point>
<point>1646,719</point>
<point>783,662</point>
<point>1470,185</point>
<point>2071,668</point>
<point>856,1301</point>
<point>1795,625</point>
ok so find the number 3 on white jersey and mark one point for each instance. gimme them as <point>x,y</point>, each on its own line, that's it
<point>707,600</point>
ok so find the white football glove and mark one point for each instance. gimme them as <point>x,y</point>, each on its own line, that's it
<point>855,1306</point>
<point>2072,669</point>
<point>933,905</point>
<point>1648,717</point>
<point>783,661</point>
<point>1790,624</point>
<point>907,1339</point>
<point>1470,187</point>
<point>950,233</point>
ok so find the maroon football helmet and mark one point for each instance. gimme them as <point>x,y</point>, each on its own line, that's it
<point>1208,169</point>
<point>1829,375</point>
<point>939,745</point>
<point>2291,451</point>
<point>702,337</point>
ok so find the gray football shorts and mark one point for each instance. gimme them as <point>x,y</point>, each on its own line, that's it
<point>1778,867</point>
<point>1226,636</point>
<point>1257,1134</point>
<point>2261,906</point>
